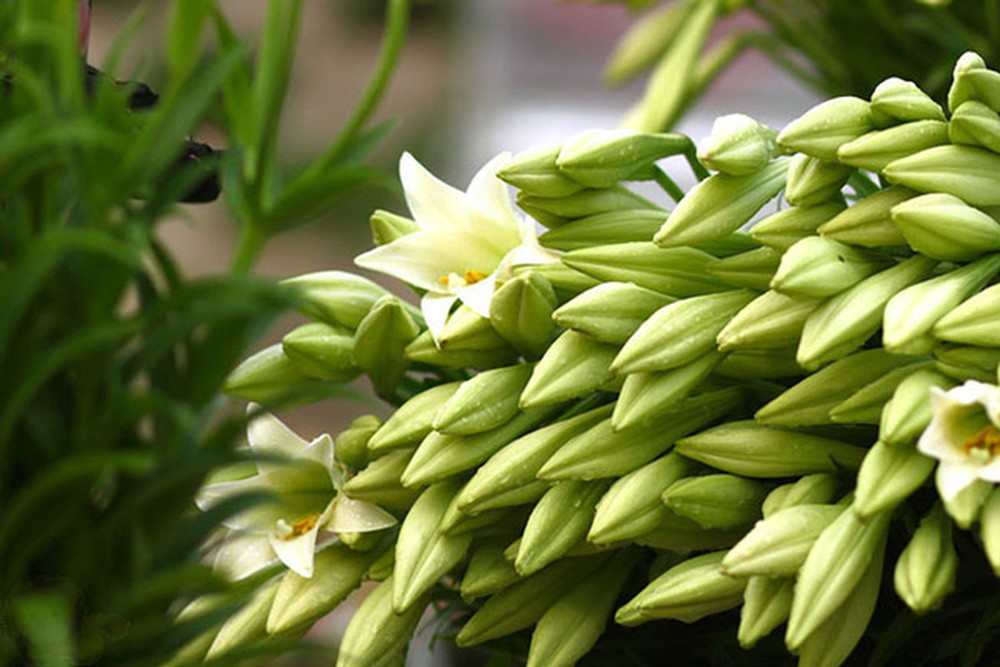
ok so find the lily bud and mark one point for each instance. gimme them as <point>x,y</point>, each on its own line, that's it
<point>412,421</point>
<point>865,405</point>
<point>534,172</point>
<point>610,312</point>
<point>565,282</point>
<point>968,172</point>
<point>336,297</point>
<point>468,339</point>
<point>965,363</point>
<point>944,227</point>
<point>559,521</point>
<point>645,41</point>
<point>586,202</point>
<point>812,181</point>
<point>986,84</point>
<point>247,624</point>
<point>738,145</point>
<point>626,226</point>
<point>488,571</point>
<point>679,332</point>
<point>380,342</point>
<point>926,570</point>
<point>485,401</point>
<point>574,366</point>
<point>644,396</point>
<point>875,150</point>
<point>716,501</point>
<point>976,124</point>
<point>869,222</point>
<point>680,535</point>
<point>772,320</point>
<point>351,445</point>
<point>270,375</point>
<point>913,312</point>
<point>818,267</point>
<point>322,351</point>
<point>820,131</point>
<point>721,204</point>
<point>602,158</point>
<point>678,272</point>
<point>386,227</point>
<point>989,529</point>
<point>759,365</point>
<point>778,545</point>
<point>766,603</point>
<point>816,489</point>
<point>974,321</point>
<point>686,592</point>
<point>962,87</point>
<point>754,450</point>
<point>897,100</point>
<point>753,269</point>
<point>377,634</point>
<point>782,229</point>
<point>906,416</point>
<point>888,476</point>
<point>521,312</point>
<point>845,321</point>
<point>379,482</point>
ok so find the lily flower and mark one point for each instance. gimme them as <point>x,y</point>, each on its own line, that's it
<point>464,241</point>
<point>301,480</point>
<point>964,435</point>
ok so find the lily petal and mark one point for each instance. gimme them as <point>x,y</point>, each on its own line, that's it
<point>435,307</point>
<point>296,551</point>
<point>268,436</point>
<point>952,478</point>
<point>242,554</point>
<point>320,450</point>
<point>357,516</point>
<point>433,203</point>
<point>478,295</point>
<point>264,513</point>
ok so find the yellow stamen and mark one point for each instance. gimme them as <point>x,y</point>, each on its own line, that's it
<point>985,444</point>
<point>444,280</point>
<point>472,276</point>
<point>301,527</point>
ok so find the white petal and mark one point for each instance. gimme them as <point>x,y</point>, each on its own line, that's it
<point>268,436</point>
<point>435,307</point>
<point>489,193</point>
<point>253,519</point>
<point>357,516</point>
<point>433,203</point>
<point>242,554</point>
<point>479,295</point>
<point>320,450</point>
<point>991,471</point>
<point>952,478</point>
<point>296,552</point>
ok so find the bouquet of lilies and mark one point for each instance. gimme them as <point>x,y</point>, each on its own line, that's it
<point>779,397</point>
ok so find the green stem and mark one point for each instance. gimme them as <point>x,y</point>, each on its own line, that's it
<point>248,248</point>
<point>691,155</point>
<point>668,185</point>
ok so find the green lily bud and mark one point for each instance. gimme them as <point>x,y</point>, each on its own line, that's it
<point>754,450</point>
<point>965,507</point>
<point>680,332</point>
<point>423,553</point>
<point>351,445</point>
<point>377,634</point>
<point>778,545</point>
<point>875,150</point>
<point>681,535</point>
<point>963,86</point>
<point>574,366</point>
<point>716,501</point>
<point>247,624</point>
<point>976,124</point>
<point>968,172</point>
<point>336,297</point>
<point>645,41</point>
<point>559,521</point>
<point>644,396</point>
<point>721,204</point>
<point>412,421</point>
<point>587,202</point>
<point>869,222</point>
<point>269,375</point>
<point>967,363</point>
<point>728,245</point>
<point>488,571</point>
<point>816,489</point>
<point>610,312</point>
<point>865,406</point>
<point>566,282</point>
<point>766,603</point>
<point>602,158</point>
<point>926,570</point>
<point>520,605</point>
<point>485,401</point>
<point>913,312</point>
<point>809,402</point>
<point>298,601</point>
<point>818,267</point>
<point>442,455</point>
<point>534,172</point>
<point>571,626</point>
<point>897,100</point>
<point>603,452</point>
<point>679,272</point>
<point>783,229</point>
<point>833,640</point>
<point>521,312</point>
<point>381,569</point>
<point>509,476</point>
<point>888,476</point>
<point>906,416</point>
<point>738,145</point>
<point>322,351</point>
<point>386,227</point>
<point>632,506</point>
<point>944,227</point>
<point>820,131</point>
<point>974,321</point>
<point>626,226</point>
<point>687,592</point>
<point>989,529</point>
<point>753,269</point>
<point>772,320</point>
<point>467,340</point>
<point>986,84</point>
<point>812,181</point>
<point>759,365</point>
<point>380,341</point>
<point>845,321</point>
<point>455,522</point>
<point>833,570</point>
<point>379,482</point>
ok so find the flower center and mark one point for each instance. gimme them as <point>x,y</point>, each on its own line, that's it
<point>984,445</point>
<point>297,529</point>
<point>471,277</point>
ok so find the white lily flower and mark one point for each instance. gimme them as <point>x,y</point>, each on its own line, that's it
<point>464,243</point>
<point>302,479</point>
<point>964,435</point>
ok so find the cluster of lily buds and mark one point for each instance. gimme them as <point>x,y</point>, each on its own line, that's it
<point>682,414</point>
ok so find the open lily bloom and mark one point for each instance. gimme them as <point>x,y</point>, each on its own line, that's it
<point>302,481</point>
<point>464,243</point>
<point>964,435</point>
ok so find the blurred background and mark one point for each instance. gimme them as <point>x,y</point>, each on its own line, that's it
<point>477,77</point>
